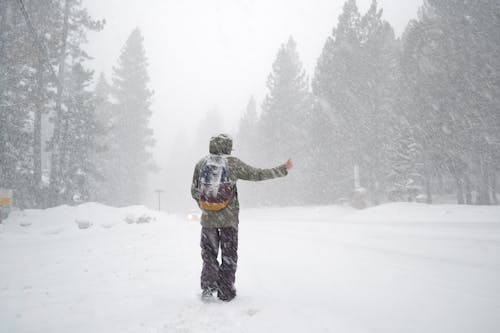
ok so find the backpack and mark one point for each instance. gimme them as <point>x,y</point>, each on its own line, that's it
<point>216,187</point>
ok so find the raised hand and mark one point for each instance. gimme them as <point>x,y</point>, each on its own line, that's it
<point>289,164</point>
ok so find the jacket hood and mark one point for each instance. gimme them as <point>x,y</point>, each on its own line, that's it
<point>221,144</point>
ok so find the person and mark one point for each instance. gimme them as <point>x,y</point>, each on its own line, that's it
<point>220,225</point>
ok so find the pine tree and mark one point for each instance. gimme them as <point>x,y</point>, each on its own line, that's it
<point>15,139</point>
<point>29,45</point>
<point>354,85</point>
<point>46,17</point>
<point>75,24</point>
<point>246,146</point>
<point>82,139</point>
<point>379,64</point>
<point>405,176</point>
<point>131,130</point>
<point>102,94</point>
<point>25,92</point>
<point>335,85</point>
<point>106,182</point>
<point>326,182</point>
<point>450,63</point>
<point>247,139</point>
<point>283,126</point>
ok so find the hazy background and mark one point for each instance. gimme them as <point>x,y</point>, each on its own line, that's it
<point>215,54</point>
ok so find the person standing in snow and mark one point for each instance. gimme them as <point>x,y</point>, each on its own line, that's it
<point>214,189</point>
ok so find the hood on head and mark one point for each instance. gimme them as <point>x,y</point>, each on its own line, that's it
<point>221,144</point>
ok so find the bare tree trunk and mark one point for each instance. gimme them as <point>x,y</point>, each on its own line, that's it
<point>427,181</point>
<point>62,155</point>
<point>493,180</point>
<point>460,192</point>
<point>374,188</point>
<point>56,158</point>
<point>428,191</point>
<point>440,188</point>
<point>375,172</point>
<point>3,109</point>
<point>468,191</point>
<point>484,184</point>
<point>37,132</point>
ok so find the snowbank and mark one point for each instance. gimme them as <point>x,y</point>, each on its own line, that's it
<point>404,212</point>
<point>70,218</point>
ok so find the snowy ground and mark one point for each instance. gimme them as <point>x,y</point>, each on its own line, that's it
<point>393,268</point>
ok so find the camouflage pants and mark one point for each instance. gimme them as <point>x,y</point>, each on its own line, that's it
<point>219,277</point>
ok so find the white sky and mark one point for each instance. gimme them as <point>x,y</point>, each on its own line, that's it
<point>216,53</point>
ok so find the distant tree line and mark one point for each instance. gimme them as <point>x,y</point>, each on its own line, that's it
<point>382,119</point>
<point>64,139</point>
<point>385,118</point>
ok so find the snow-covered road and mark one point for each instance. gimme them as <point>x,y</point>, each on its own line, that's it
<point>392,268</point>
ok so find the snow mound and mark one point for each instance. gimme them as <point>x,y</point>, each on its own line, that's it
<point>67,218</point>
<point>404,212</point>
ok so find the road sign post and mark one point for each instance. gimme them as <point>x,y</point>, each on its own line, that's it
<point>159,192</point>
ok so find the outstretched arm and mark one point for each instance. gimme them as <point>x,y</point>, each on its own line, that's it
<point>246,172</point>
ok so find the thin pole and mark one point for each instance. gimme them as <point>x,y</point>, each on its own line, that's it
<point>159,192</point>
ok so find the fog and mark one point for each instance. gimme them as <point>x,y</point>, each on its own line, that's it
<point>371,101</point>
<point>351,139</point>
<point>215,54</point>
<point>206,55</point>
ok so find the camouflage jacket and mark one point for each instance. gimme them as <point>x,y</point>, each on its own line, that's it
<point>228,217</point>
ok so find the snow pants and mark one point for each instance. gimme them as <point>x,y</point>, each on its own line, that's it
<point>219,277</point>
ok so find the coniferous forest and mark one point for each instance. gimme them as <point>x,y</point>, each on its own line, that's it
<point>382,117</point>
<point>385,118</point>
<point>68,136</point>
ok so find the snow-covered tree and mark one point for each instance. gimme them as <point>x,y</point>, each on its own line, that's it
<point>131,131</point>
<point>379,64</point>
<point>247,137</point>
<point>283,125</point>
<point>450,66</point>
<point>106,181</point>
<point>46,17</point>
<point>29,45</point>
<point>82,140</point>
<point>16,154</point>
<point>405,174</point>
<point>247,148</point>
<point>75,24</point>
<point>354,85</point>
